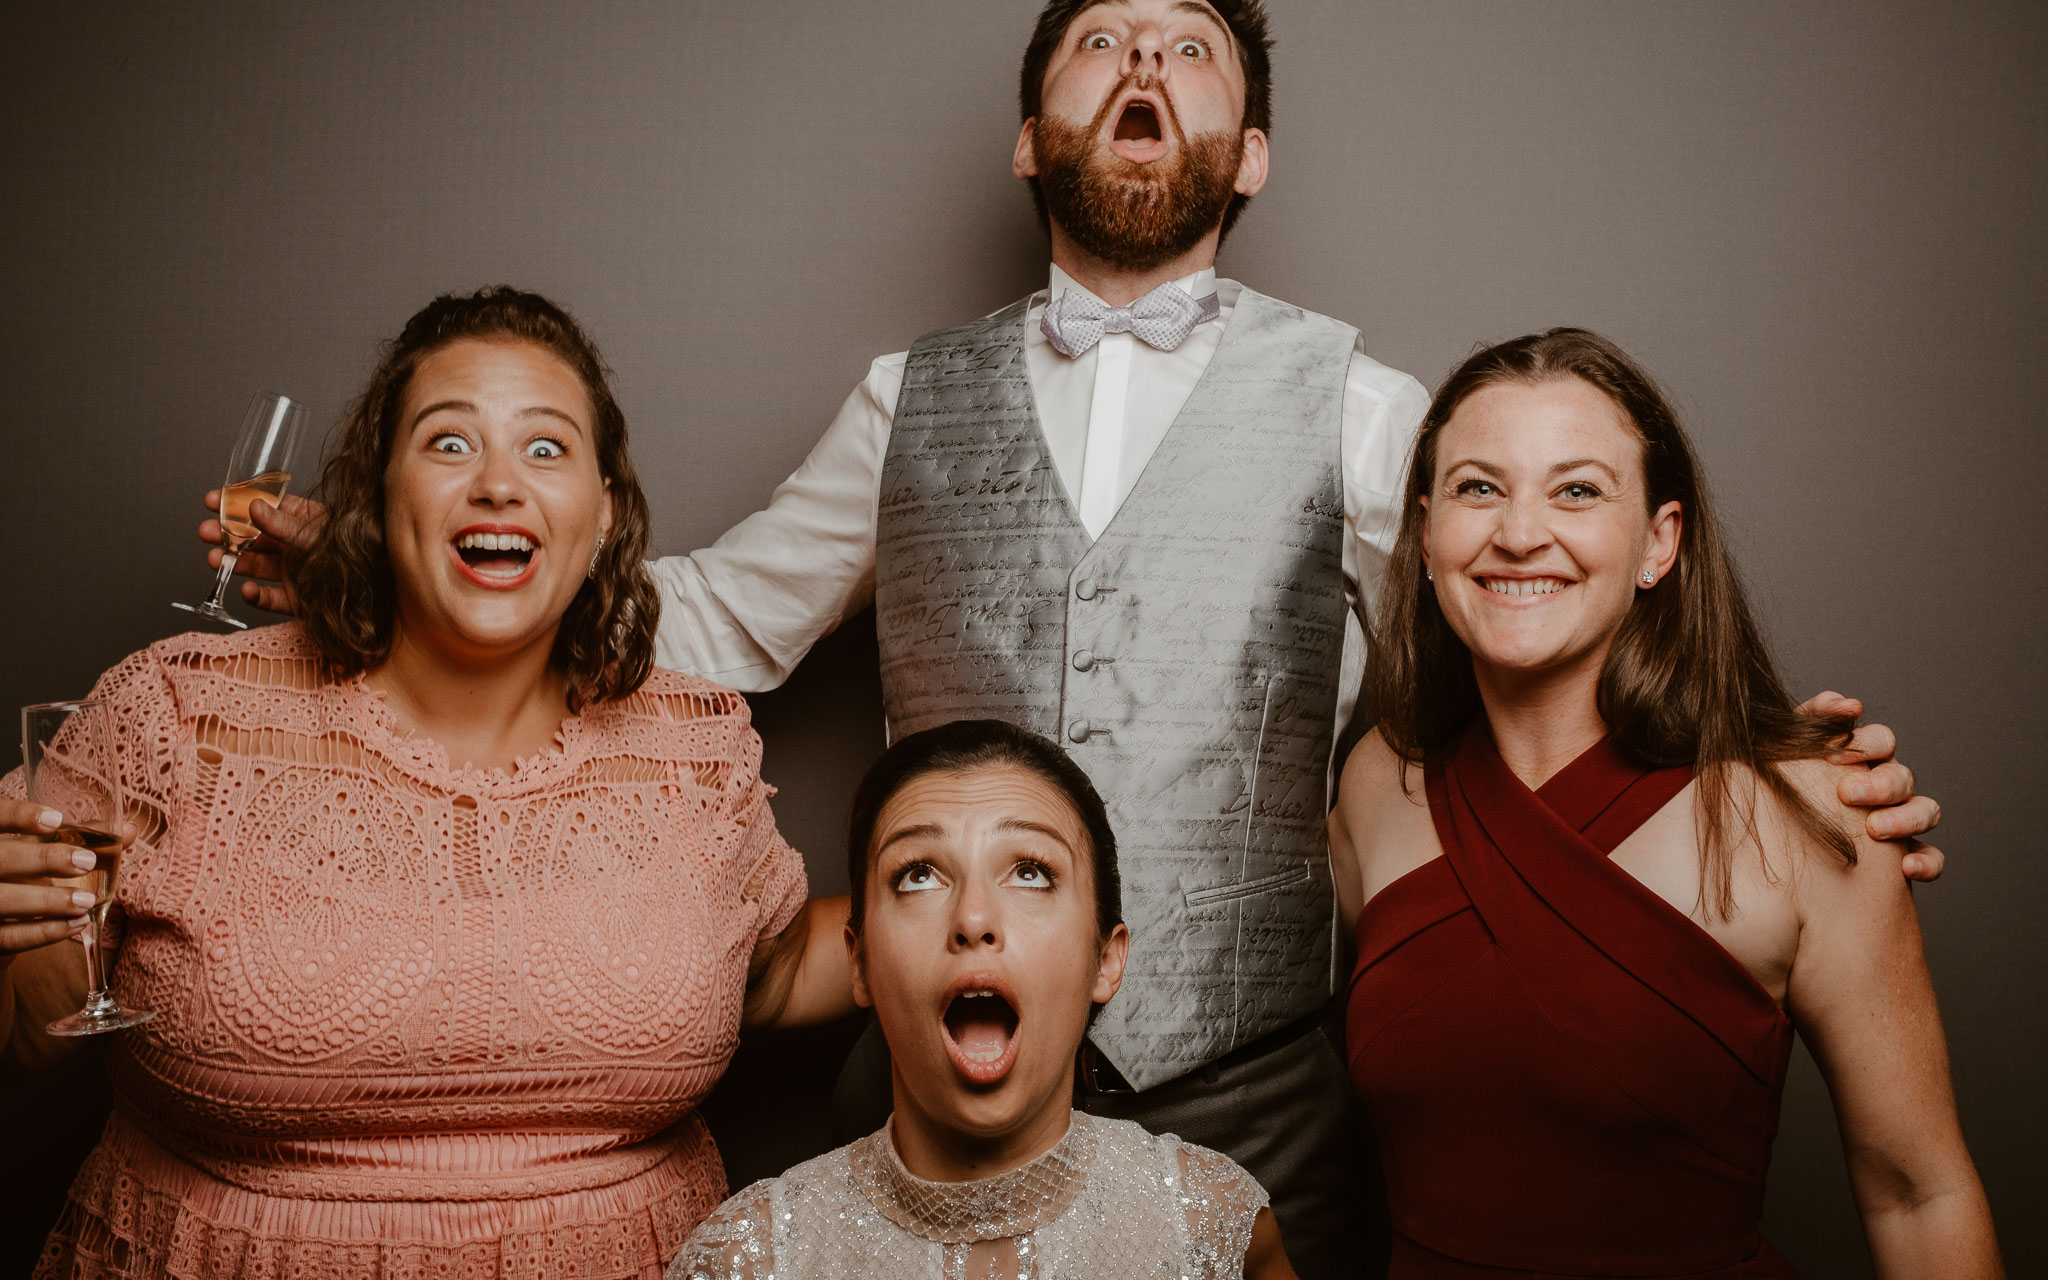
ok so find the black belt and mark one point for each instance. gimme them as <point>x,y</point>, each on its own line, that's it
<point>1094,1073</point>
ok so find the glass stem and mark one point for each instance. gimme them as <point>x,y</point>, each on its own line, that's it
<point>95,965</point>
<point>220,585</point>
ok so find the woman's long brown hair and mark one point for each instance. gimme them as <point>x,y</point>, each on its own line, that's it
<point>347,599</point>
<point>1688,680</point>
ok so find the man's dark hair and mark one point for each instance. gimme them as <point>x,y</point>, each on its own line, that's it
<point>1246,20</point>
<point>965,745</point>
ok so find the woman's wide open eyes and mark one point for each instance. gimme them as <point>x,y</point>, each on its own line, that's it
<point>449,442</point>
<point>545,449</point>
<point>1030,874</point>
<point>916,878</point>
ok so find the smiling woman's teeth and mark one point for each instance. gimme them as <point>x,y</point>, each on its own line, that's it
<point>494,542</point>
<point>1524,586</point>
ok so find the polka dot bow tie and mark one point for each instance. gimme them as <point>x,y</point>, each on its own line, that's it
<point>1162,319</point>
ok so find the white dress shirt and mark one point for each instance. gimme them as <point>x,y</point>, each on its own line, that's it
<point>746,609</point>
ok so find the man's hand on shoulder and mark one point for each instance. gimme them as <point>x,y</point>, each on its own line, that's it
<point>1883,789</point>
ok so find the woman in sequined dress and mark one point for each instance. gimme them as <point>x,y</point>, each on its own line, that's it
<point>450,906</point>
<point>986,928</point>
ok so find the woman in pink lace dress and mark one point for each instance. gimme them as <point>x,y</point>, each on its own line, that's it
<point>451,906</point>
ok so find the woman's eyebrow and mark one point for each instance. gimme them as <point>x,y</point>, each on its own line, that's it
<point>1594,463</point>
<point>460,406</point>
<point>550,412</point>
<point>1025,824</point>
<point>923,830</point>
<point>1484,468</point>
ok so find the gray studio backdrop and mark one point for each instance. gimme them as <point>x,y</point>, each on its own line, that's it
<point>1820,223</point>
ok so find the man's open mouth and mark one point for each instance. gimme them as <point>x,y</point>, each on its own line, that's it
<point>981,1032</point>
<point>1138,123</point>
<point>495,557</point>
<point>1139,133</point>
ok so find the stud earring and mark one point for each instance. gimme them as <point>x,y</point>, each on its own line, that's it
<point>1649,579</point>
<point>598,550</point>
<point>1430,574</point>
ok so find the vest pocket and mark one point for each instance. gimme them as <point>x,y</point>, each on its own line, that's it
<point>1246,888</point>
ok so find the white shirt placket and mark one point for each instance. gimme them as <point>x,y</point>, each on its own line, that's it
<point>1104,432</point>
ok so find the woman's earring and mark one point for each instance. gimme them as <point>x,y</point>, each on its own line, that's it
<point>598,550</point>
<point>1430,574</point>
<point>1649,579</point>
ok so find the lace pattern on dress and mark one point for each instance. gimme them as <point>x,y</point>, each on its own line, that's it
<point>1009,1204</point>
<point>417,1020</point>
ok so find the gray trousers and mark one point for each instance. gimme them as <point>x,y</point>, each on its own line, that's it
<point>1289,1116</point>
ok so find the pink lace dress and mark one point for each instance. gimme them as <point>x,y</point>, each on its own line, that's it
<point>416,1021</point>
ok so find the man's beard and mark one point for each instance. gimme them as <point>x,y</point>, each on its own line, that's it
<point>1134,217</point>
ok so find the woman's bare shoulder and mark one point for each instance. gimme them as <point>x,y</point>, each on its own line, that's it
<point>1810,866</point>
<point>1381,828</point>
<point>1377,783</point>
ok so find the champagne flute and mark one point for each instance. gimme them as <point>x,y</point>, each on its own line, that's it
<point>259,467</point>
<point>68,760</point>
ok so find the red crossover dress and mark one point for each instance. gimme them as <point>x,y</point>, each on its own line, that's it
<point>1568,1076</point>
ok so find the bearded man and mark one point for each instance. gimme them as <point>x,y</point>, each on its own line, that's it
<point>1141,512</point>
<point>1135,512</point>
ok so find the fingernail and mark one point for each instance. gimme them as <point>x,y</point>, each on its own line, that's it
<point>84,859</point>
<point>81,899</point>
<point>48,819</point>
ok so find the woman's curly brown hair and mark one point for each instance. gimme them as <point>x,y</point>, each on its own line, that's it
<point>347,599</point>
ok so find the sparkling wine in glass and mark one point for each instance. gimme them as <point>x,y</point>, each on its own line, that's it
<point>259,467</point>
<point>68,759</point>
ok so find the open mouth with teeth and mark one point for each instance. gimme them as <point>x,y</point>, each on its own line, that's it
<point>981,1034</point>
<point>1524,586</point>
<point>495,559</point>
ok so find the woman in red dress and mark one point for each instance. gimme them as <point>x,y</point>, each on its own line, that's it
<point>1599,872</point>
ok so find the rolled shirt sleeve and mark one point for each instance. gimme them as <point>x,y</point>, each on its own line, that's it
<point>745,610</point>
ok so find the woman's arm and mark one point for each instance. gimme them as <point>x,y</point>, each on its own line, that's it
<point>802,976</point>
<point>1861,995</point>
<point>1380,828</point>
<point>1266,1259</point>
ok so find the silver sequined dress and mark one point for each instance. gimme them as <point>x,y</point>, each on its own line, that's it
<point>1109,1200</point>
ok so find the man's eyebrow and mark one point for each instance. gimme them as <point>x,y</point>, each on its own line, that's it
<point>1199,9</point>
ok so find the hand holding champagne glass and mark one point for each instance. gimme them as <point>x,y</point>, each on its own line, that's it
<point>259,467</point>
<point>69,765</point>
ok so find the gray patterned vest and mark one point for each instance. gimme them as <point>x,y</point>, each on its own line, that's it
<point>1187,658</point>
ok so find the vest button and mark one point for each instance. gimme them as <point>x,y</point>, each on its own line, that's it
<point>1077,731</point>
<point>1084,589</point>
<point>1084,660</point>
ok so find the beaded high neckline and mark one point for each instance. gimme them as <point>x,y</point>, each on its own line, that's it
<point>1009,1204</point>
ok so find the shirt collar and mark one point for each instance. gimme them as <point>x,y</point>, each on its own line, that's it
<point>1200,284</point>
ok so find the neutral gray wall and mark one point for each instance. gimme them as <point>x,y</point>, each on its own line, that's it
<point>1820,223</point>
